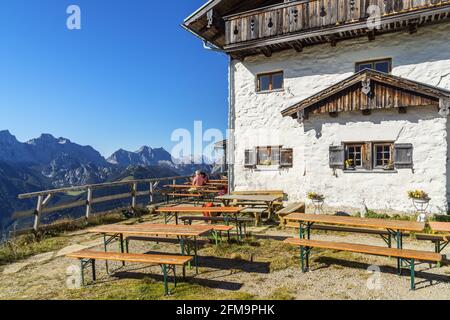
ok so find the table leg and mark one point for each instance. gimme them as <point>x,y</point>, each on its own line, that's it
<point>195,254</point>
<point>399,246</point>
<point>182,253</point>
<point>122,248</point>
<point>105,245</point>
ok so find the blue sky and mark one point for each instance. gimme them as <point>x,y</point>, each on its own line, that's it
<point>128,78</point>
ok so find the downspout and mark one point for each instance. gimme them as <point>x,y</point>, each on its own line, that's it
<point>230,140</point>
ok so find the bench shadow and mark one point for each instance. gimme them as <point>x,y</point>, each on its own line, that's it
<point>233,264</point>
<point>227,264</point>
<point>209,283</point>
<point>429,278</point>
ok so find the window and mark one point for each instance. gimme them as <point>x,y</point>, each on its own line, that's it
<point>354,155</point>
<point>382,65</point>
<point>382,155</point>
<point>270,81</point>
<point>364,155</point>
<point>269,156</point>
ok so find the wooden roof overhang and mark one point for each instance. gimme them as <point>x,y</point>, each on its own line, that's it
<point>371,90</point>
<point>208,23</point>
<point>215,23</point>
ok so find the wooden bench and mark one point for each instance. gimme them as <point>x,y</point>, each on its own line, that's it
<point>277,193</point>
<point>239,222</point>
<point>256,212</point>
<point>167,262</point>
<point>290,208</point>
<point>440,241</point>
<point>183,195</point>
<point>409,256</point>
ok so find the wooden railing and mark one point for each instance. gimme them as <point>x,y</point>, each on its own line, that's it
<point>297,16</point>
<point>136,188</point>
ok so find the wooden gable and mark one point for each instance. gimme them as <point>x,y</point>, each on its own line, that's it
<point>369,90</point>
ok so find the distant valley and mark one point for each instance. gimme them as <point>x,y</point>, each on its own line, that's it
<point>48,162</point>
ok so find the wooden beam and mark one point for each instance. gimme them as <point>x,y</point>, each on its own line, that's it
<point>331,39</point>
<point>402,110</point>
<point>333,114</point>
<point>266,51</point>
<point>297,46</point>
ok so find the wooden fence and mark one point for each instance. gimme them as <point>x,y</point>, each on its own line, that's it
<point>43,198</point>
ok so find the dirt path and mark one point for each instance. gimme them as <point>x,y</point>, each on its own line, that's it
<point>263,269</point>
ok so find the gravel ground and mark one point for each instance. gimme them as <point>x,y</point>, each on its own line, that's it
<point>333,275</point>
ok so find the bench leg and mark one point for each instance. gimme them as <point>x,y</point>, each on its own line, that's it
<point>166,285</point>
<point>122,248</point>
<point>82,272</point>
<point>412,264</point>
<point>302,258</point>
<point>94,277</point>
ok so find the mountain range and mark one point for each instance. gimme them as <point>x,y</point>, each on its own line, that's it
<point>48,162</point>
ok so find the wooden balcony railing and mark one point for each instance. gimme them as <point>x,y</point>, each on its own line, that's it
<point>302,16</point>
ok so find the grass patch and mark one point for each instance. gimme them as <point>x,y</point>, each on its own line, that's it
<point>374,215</point>
<point>282,293</point>
<point>27,245</point>
<point>149,289</point>
<point>52,237</point>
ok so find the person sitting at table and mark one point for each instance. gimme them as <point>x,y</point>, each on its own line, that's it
<point>205,177</point>
<point>198,181</point>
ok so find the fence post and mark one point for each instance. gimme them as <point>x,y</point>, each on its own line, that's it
<point>37,218</point>
<point>89,203</point>
<point>133,195</point>
<point>151,192</point>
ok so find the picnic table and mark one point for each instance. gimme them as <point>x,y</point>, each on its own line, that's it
<point>253,200</point>
<point>187,235</point>
<point>173,212</point>
<point>395,228</point>
<point>444,228</point>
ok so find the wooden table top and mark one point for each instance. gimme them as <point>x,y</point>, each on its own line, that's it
<point>200,209</point>
<point>263,198</point>
<point>358,222</point>
<point>440,226</point>
<point>154,229</point>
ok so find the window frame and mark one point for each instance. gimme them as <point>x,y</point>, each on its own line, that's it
<point>270,154</point>
<point>373,62</point>
<point>353,145</point>
<point>270,74</point>
<point>374,153</point>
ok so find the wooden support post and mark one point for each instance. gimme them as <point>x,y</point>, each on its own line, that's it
<point>133,195</point>
<point>88,203</point>
<point>151,192</point>
<point>37,218</point>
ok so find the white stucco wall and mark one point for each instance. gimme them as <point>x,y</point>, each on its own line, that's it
<point>423,57</point>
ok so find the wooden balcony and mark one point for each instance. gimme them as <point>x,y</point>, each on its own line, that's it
<point>299,23</point>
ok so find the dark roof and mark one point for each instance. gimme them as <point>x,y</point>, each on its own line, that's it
<point>369,89</point>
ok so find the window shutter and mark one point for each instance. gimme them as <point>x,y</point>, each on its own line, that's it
<point>403,155</point>
<point>366,154</point>
<point>286,158</point>
<point>337,157</point>
<point>275,155</point>
<point>250,158</point>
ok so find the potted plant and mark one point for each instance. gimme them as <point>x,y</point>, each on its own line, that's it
<point>389,166</point>
<point>349,164</point>
<point>421,201</point>
<point>317,200</point>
